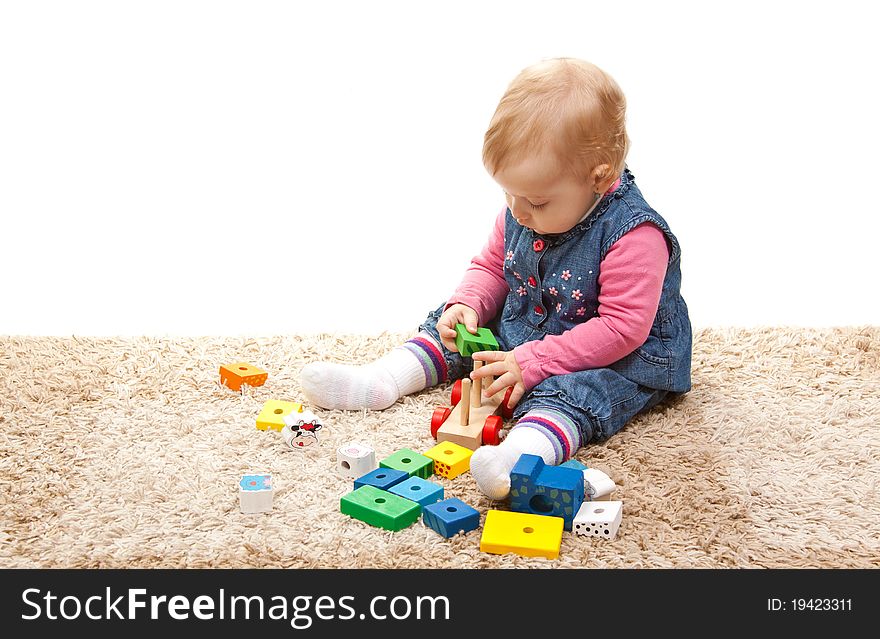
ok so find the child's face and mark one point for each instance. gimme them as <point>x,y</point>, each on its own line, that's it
<point>544,199</point>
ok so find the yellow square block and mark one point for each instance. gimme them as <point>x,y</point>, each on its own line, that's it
<point>450,459</point>
<point>272,415</point>
<point>522,533</point>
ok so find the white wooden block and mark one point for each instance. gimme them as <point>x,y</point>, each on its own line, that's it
<point>255,493</point>
<point>598,518</point>
<point>355,460</point>
<point>301,430</point>
<point>597,484</point>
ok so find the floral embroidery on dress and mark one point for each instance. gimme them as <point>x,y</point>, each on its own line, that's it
<point>509,256</point>
<point>553,291</point>
<point>581,312</point>
<point>566,275</point>
<point>576,294</point>
<point>522,291</point>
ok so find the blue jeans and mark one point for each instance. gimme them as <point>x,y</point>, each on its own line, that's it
<point>599,400</point>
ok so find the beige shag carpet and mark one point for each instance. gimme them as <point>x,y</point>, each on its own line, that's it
<point>126,452</point>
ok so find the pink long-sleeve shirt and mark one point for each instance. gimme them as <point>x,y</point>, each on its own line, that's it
<point>630,283</point>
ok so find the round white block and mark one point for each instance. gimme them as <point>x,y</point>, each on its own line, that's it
<point>597,484</point>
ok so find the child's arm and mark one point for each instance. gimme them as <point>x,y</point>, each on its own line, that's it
<point>483,287</point>
<point>630,283</point>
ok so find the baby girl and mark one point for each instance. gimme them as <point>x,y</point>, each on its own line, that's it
<point>579,281</point>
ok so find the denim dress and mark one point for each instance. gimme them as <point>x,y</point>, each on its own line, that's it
<point>554,286</point>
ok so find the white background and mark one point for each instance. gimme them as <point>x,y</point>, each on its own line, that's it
<point>277,167</point>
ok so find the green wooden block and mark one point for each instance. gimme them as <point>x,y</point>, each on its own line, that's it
<point>380,508</point>
<point>410,462</point>
<point>467,343</point>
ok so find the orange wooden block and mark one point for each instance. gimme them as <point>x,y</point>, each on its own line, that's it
<point>234,375</point>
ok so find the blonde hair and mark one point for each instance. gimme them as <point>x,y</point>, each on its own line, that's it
<point>567,106</point>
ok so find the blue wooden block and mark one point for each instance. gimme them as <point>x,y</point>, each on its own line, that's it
<point>419,490</point>
<point>539,489</point>
<point>573,463</point>
<point>382,478</point>
<point>450,517</point>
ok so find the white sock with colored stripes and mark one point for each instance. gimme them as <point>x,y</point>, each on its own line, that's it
<point>373,386</point>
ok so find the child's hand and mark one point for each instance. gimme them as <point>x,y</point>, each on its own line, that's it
<point>456,314</point>
<point>506,371</point>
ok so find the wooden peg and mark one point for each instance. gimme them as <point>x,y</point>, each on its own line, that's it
<point>465,403</point>
<point>477,389</point>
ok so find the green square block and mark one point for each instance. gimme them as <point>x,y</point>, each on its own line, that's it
<point>380,508</point>
<point>410,462</point>
<point>467,343</point>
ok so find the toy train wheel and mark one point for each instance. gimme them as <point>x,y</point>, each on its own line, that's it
<point>437,419</point>
<point>507,411</point>
<point>456,392</point>
<point>492,430</point>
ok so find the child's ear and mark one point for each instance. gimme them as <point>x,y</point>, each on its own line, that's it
<point>603,178</point>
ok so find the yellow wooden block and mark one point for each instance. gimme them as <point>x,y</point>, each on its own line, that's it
<point>522,533</point>
<point>272,415</point>
<point>450,459</point>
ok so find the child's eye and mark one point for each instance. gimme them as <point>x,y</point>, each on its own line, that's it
<point>534,206</point>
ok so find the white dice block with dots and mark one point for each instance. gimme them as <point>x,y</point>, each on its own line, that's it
<point>255,493</point>
<point>598,519</point>
<point>355,460</point>
<point>597,485</point>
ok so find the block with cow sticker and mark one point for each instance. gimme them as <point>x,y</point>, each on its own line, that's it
<point>301,430</point>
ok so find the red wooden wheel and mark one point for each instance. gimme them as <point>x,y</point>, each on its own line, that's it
<point>492,430</point>
<point>506,410</point>
<point>437,419</point>
<point>456,392</point>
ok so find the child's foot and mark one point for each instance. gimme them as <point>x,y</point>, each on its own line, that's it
<point>337,386</point>
<point>491,465</point>
<point>374,386</point>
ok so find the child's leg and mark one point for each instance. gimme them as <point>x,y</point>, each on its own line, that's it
<point>564,412</point>
<point>406,369</point>
<point>418,364</point>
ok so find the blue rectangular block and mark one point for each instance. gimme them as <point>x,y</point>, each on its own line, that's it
<point>382,478</point>
<point>538,489</point>
<point>450,517</point>
<point>419,490</point>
